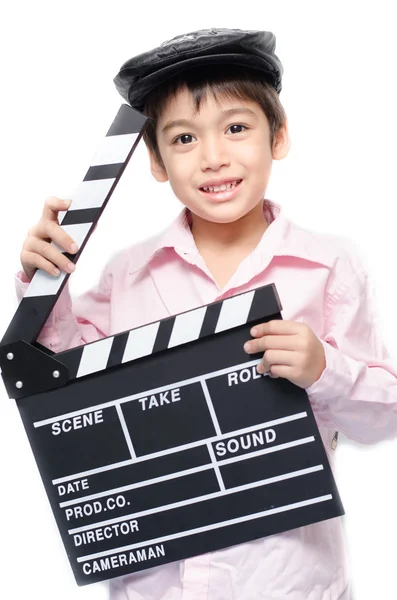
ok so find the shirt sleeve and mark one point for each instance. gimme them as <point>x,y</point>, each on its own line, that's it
<point>357,391</point>
<point>76,322</point>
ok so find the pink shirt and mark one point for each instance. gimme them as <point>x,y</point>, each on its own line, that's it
<point>321,281</point>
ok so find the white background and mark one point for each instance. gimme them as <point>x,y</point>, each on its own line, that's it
<point>58,100</point>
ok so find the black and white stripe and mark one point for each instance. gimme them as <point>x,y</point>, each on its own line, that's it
<point>183,328</point>
<point>88,203</point>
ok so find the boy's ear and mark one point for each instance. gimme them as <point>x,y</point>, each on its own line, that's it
<point>157,170</point>
<point>281,142</point>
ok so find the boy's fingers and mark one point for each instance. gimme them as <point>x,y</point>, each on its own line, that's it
<point>36,261</point>
<point>273,342</point>
<point>52,255</point>
<point>53,206</point>
<point>46,241</point>
<point>51,230</point>
<point>255,345</point>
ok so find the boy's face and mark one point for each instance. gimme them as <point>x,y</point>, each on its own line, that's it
<point>215,145</point>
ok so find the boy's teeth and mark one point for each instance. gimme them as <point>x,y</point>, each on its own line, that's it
<point>220,188</point>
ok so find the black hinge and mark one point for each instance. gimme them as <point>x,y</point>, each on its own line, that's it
<point>28,370</point>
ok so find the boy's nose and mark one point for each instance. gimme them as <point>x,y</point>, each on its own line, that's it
<point>214,155</point>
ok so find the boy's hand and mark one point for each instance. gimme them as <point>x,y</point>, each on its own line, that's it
<point>291,350</point>
<point>38,252</point>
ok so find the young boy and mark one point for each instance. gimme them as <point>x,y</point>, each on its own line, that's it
<point>216,124</point>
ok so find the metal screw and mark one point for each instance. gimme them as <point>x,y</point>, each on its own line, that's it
<point>56,374</point>
<point>10,356</point>
<point>19,384</point>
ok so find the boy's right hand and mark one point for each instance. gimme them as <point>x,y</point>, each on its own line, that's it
<point>38,252</point>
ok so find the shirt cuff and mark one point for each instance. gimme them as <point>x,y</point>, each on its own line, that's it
<point>21,284</point>
<point>335,380</point>
<point>62,306</point>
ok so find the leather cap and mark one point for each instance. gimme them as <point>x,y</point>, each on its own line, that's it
<point>141,74</point>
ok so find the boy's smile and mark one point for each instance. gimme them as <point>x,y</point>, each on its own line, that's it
<point>218,160</point>
<point>221,190</point>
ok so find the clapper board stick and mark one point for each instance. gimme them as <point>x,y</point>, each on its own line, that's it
<point>88,204</point>
<point>162,442</point>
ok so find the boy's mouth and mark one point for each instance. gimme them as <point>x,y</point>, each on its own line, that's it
<point>221,188</point>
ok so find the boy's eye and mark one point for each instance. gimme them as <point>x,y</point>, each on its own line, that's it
<point>238,125</point>
<point>185,137</point>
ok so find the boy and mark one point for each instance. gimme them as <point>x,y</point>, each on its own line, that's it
<point>215,126</point>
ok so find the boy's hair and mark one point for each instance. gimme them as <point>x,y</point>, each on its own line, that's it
<point>230,81</point>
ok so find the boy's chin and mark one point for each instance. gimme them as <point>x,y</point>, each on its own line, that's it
<point>222,213</point>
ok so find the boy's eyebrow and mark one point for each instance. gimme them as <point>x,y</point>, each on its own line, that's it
<point>225,113</point>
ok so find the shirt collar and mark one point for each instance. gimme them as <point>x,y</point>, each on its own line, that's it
<point>293,240</point>
<point>281,238</point>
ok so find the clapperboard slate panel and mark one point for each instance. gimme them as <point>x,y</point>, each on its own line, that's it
<point>163,442</point>
<point>180,452</point>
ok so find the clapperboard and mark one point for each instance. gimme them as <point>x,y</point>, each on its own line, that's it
<point>162,442</point>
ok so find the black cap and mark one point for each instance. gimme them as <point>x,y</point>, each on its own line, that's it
<point>142,73</point>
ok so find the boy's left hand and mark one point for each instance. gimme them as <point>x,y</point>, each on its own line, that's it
<point>291,350</point>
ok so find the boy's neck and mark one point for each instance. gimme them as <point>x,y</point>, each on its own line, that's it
<point>218,237</point>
